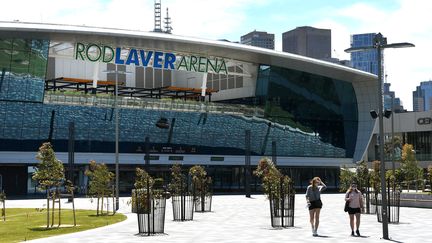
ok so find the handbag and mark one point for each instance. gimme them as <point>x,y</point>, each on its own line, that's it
<point>346,206</point>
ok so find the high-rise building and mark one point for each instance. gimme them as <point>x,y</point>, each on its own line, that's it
<point>364,60</point>
<point>308,41</point>
<point>258,38</point>
<point>418,100</point>
<point>391,101</point>
<point>422,97</point>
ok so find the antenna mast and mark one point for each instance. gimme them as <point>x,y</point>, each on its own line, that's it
<point>157,16</point>
<point>167,23</point>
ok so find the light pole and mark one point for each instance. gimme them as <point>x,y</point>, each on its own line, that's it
<point>392,135</point>
<point>380,43</point>
<point>117,173</point>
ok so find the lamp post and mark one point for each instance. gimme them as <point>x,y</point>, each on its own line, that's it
<point>380,43</point>
<point>392,135</point>
<point>117,173</point>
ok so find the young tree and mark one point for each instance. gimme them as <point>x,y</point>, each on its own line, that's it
<point>393,146</point>
<point>429,173</point>
<point>49,174</point>
<point>201,184</point>
<point>375,179</point>
<point>409,166</point>
<point>3,202</point>
<point>200,180</point>
<point>346,177</point>
<point>178,184</point>
<point>272,179</point>
<point>100,182</point>
<point>362,175</point>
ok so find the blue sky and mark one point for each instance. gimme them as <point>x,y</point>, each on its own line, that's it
<point>398,20</point>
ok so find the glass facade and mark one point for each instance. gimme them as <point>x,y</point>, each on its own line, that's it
<point>364,60</point>
<point>321,110</point>
<point>422,143</point>
<point>22,69</point>
<point>307,115</point>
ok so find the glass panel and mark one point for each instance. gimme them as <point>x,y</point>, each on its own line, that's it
<point>322,109</point>
<point>22,44</point>
<point>6,44</point>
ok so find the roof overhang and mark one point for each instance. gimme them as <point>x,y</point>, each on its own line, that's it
<point>168,42</point>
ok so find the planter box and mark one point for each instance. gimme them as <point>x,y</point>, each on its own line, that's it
<point>183,207</point>
<point>282,211</point>
<point>203,203</point>
<point>150,212</point>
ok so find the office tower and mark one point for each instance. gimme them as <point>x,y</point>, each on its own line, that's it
<point>422,97</point>
<point>258,38</point>
<point>308,41</point>
<point>390,100</point>
<point>364,60</point>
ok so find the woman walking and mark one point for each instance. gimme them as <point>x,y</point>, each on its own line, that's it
<point>355,199</point>
<point>313,199</point>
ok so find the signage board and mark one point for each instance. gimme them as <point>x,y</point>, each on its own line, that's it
<point>148,58</point>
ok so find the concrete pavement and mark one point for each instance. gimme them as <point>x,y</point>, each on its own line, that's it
<point>236,218</point>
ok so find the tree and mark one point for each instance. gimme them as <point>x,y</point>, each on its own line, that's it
<point>429,173</point>
<point>360,175</point>
<point>410,167</point>
<point>346,178</point>
<point>375,179</point>
<point>3,202</point>
<point>178,184</point>
<point>146,189</point>
<point>101,180</point>
<point>272,179</point>
<point>49,174</point>
<point>393,147</point>
<point>201,185</point>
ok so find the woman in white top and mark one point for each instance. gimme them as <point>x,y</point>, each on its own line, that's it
<point>313,199</point>
<point>355,199</point>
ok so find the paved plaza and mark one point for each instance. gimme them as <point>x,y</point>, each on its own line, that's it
<point>236,218</point>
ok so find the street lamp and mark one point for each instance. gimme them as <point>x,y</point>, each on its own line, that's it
<point>380,43</point>
<point>117,174</point>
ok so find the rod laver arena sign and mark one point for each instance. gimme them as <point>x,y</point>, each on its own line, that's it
<point>146,58</point>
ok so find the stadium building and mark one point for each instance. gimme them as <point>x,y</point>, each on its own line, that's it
<point>180,100</point>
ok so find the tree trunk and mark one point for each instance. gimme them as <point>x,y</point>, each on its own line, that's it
<point>48,214</point>
<point>97,206</point>
<point>73,208</point>
<point>59,214</point>
<point>113,203</point>
<point>53,209</point>
<point>102,204</point>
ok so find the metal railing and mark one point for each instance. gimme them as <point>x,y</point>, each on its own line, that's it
<point>152,104</point>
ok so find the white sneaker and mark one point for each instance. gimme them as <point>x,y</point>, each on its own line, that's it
<point>315,233</point>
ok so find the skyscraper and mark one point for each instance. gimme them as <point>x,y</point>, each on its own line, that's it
<point>258,38</point>
<point>308,41</point>
<point>422,97</point>
<point>391,101</point>
<point>364,60</point>
<point>418,100</point>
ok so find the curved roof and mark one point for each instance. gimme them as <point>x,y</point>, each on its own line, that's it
<point>162,41</point>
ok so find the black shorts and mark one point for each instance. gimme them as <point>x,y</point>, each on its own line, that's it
<point>315,204</point>
<point>353,210</point>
